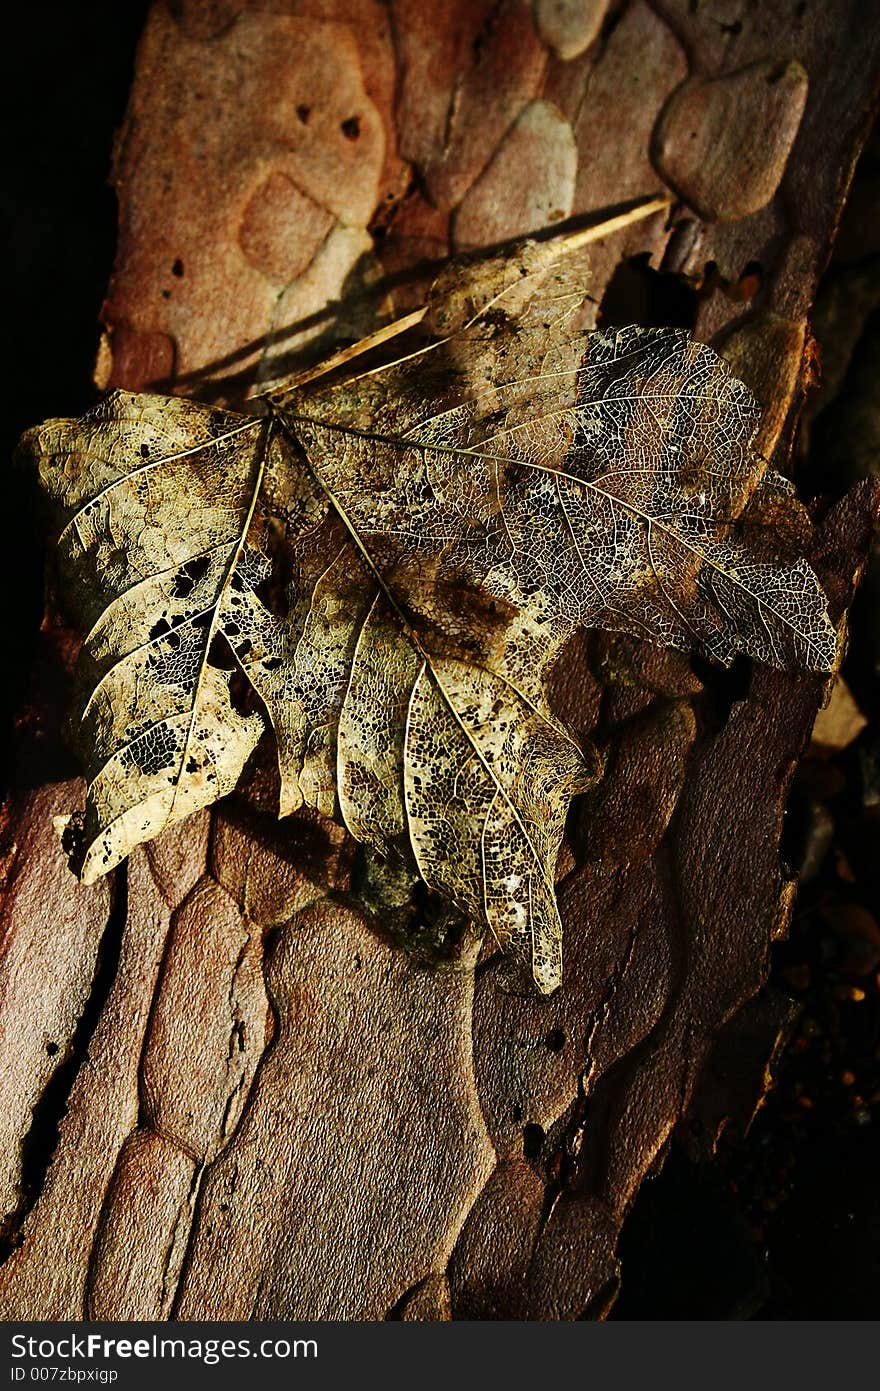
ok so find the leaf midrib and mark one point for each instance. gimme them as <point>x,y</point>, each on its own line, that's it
<point>413,638</point>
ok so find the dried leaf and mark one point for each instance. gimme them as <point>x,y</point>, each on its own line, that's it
<point>443,525</point>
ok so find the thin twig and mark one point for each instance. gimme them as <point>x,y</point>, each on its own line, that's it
<point>560,246</point>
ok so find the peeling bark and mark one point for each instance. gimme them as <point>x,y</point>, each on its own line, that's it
<point>271,1111</point>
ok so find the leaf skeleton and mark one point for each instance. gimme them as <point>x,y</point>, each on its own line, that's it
<point>448,520</point>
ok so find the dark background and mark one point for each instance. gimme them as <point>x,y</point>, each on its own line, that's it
<point>785,1224</point>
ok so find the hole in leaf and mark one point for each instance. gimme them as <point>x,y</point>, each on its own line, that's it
<point>189,576</point>
<point>241,694</point>
<point>272,591</point>
<point>220,654</point>
<point>351,128</point>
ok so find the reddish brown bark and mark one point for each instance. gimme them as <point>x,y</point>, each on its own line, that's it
<point>275,1112</point>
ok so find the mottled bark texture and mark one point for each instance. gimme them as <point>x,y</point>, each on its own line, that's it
<point>226,1095</point>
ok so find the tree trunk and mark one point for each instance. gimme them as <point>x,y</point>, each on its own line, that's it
<point>267,1108</point>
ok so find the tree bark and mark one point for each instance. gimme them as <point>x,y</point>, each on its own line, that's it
<point>265,1108</point>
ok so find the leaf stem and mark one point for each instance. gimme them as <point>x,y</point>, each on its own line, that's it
<point>562,245</point>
